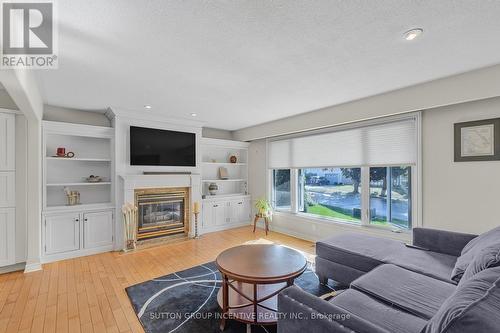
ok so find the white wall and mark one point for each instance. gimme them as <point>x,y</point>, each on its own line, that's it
<point>6,101</point>
<point>463,196</point>
<point>68,115</point>
<point>257,172</point>
<point>215,133</point>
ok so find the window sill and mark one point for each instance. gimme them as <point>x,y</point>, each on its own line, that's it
<point>404,235</point>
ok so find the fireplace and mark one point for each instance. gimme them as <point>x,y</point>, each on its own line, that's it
<point>162,212</point>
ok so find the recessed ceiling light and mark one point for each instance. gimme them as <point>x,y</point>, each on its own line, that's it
<point>148,107</point>
<point>413,33</point>
<point>193,114</point>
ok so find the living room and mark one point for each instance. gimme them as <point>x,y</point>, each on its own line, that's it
<point>268,166</point>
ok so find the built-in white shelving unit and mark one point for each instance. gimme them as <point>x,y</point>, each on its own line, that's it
<point>93,147</point>
<point>87,228</point>
<point>231,206</point>
<point>216,154</point>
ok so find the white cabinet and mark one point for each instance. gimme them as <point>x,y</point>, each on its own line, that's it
<point>75,233</point>
<point>223,213</point>
<point>243,210</point>
<point>7,140</point>
<point>238,211</point>
<point>62,233</point>
<point>231,211</point>
<point>7,236</point>
<point>7,189</point>
<point>97,229</point>
<point>208,215</point>
<point>213,214</point>
<point>219,213</point>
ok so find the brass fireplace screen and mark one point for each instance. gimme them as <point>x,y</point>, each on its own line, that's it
<point>162,212</point>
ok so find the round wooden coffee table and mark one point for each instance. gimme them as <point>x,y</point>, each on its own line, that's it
<point>252,277</point>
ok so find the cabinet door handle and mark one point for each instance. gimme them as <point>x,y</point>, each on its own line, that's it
<point>240,203</point>
<point>77,220</point>
<point>216,205</point>
<point>85,220</point>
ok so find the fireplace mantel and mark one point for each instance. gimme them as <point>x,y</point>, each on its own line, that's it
<point>132,182</point>
<point>129,183</point>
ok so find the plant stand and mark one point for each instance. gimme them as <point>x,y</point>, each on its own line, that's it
<point>266,221</point>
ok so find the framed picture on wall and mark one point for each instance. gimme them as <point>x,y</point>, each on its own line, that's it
<point>477,140</point>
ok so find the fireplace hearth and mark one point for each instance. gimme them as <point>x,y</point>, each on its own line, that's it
<point>162,212</point>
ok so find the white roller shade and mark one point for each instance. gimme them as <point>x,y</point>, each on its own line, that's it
<point>393,143</point>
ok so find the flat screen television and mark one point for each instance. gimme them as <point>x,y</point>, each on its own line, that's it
<point>149,146</point>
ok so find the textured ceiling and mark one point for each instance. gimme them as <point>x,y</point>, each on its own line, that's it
<point>241,63</point>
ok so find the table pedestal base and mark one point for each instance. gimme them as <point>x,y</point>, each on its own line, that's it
<point>250,303</point>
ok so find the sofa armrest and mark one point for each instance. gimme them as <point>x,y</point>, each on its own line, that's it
<point>299,311</point>
<point>441,241</point>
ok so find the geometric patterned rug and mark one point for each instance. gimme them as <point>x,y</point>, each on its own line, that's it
<point>186,301</point>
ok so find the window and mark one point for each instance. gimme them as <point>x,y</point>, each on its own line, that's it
<point>331,193</point>
<point>390,196</point>
<point>365,173</point>
<point>281,189</point>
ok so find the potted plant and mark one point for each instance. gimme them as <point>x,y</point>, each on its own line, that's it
<point>264,208</point>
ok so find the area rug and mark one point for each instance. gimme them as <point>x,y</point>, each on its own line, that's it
<point>186,301</point>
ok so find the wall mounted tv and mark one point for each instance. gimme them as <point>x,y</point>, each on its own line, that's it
<point>149,146</point>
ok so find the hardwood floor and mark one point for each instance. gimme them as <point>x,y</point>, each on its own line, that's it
<point>88,294</point>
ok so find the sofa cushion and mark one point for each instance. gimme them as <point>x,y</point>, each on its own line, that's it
<point>473,307</point>
<point>364,253</point>
<point>433,264</point>
<point>383,315</point>
<point>472,249</point>
<point>486,258</point>
<point>361,252</point>
<point>413,292</point>
<point>300,311</point>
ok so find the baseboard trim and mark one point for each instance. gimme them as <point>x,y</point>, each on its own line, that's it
<point>33,267</point>
<point>208,230</point>
<point>12,268</point>
<point>75,254</point>
<point>292,233</point>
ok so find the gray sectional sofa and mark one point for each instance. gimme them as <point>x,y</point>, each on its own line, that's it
<point>449,282</point>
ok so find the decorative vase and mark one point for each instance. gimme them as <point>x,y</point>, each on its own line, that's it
<point>129,211</point>
<point>213,188</point>
<point>233,159</point>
